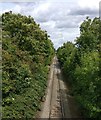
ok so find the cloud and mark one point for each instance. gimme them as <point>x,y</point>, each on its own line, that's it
<point>20,1</point>
<point>86,11</point>
<point>60,18</point>
<point>66,24</point>
<point>92,4</point>
<point>17,9</point>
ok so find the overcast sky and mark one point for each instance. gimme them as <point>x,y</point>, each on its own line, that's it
<point>60,18</point>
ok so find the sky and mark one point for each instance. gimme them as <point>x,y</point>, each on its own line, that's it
<point>60,18</point>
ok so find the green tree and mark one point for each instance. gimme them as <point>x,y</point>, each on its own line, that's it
<point>83,67</point>
<point>26,52</point>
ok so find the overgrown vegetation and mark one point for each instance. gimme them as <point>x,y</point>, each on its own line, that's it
<point>81,63</point>
<point>26,52</point>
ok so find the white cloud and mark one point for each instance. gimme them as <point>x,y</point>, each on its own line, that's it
<point>17,9</point>
<point>89,3</point>
<point>44,7</point>
<point>60,18</point>
<point>6,1</point>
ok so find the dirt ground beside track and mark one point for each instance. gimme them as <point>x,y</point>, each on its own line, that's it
<point>58,103</point>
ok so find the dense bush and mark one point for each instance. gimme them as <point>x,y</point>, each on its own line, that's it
<point>26,53</point>
<point>81,63</point>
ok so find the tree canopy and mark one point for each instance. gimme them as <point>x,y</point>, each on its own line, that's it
<point>81,64</point>
<point>26,52</point>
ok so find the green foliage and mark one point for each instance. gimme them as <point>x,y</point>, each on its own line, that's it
<point>65,51</point>
<point>26,52</point>
<point>82,66</point>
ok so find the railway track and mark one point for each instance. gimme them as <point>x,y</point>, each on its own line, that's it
<point>58,95</point>
<point>57,103</point>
